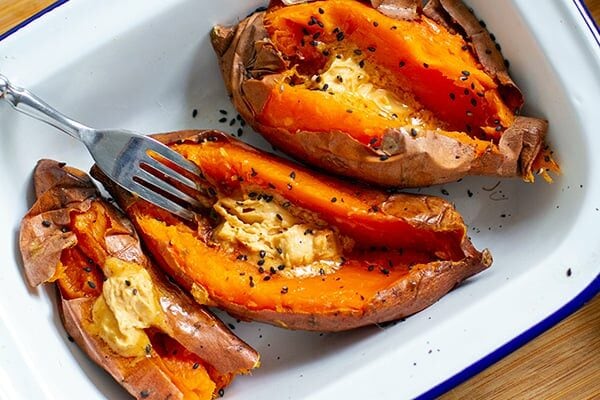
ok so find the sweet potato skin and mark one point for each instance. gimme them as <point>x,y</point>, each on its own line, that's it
<point>420,287</point>
<point>252,68</point>
<point>63,192</point>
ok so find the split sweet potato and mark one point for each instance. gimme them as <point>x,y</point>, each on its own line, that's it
<point>387,92</point>
<point>282,244</point>
<point>145,331</point>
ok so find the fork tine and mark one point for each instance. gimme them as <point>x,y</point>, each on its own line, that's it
<point>160,201</point>
<point>167,188</point>
<point>170,172</point>
<point>173,156</point>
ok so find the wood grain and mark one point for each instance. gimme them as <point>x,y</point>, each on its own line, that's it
<point>12,12</point>
<point>562,363</point>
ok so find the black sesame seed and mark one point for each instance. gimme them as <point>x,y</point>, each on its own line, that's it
<point>224,112</point>
<point>493,37</point>
<point>325,87</point>
<point>371,267</point>
<point>284,290</point>
<point>375,24</point>
<point>313,43</point>
<point>425,65</point>
<point>474,102</point>
<point>285,205</point>
<point>223,120</point>
<point>498,128</point>
<point>466,73</point>
<point>61,164</point>
<point>482,23</point>
<point>91,284</point>
<point>64,229</point>
<point>372,49</point>
<point>445,192</point>
<point>321,271</point>
<point>261,262</point>
<point>279,217</point>
<point>87,269</point>
<point>466,92</point>
<point>46,223</point>
<point>127,282</point>
<point>253,172</point>
<point>326,53</point>
<point>262,253</point>
<point>134,291</point>
<point>321,11</point>
<point>240,132</point>
<point>196,365</point>
<point>289,187</point>
<point>340,36</point>
<point>358,52</point>
<point>251,283</point>
<point>385,271</point>
<point>349,111</point>
<point>272,270</point>
<point>267,278</point>
<point>498,47</point>
<point>469,193</point>
<point>413,132</point>
<point>569,272</point>
<point>70,338</point>
<point>221,392</point>
<point>361,63</point>
<point>383,157</point>
<point>394,27</point>
<point>316,35</point>
<point>212,191</point>
<point>232,122</point>
<point>452,96</point>
<point>194,113</point>
<point>333,199</point>
<point>144,394</point>
<point>148,349</point>
<point>488,51</point>
<point>463,78</point>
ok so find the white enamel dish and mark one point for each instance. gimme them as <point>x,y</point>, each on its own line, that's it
<point>146,65</point>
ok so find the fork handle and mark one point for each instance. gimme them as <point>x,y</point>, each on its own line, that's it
<point>26,102</point>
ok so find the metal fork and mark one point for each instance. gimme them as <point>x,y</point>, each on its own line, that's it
<point>119,153</point>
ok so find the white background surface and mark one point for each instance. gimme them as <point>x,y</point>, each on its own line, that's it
<point>145,65</point>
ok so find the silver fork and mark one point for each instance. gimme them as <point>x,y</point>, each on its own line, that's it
<point>119,153</point>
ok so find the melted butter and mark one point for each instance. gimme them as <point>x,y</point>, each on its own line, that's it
<point>127,306</point>
<point>268,231</point>
<point>366,88</point>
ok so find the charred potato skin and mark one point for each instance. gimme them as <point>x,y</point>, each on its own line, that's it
<point>250,65</point>
<point>423,286</point>
<point>61,191</point>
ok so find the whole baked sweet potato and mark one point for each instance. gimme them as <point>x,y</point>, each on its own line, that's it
<point>145,331</point>
<point>387,92</point>
<point>282,244</point>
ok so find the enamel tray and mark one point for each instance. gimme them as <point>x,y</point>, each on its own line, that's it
<point>146,65</point>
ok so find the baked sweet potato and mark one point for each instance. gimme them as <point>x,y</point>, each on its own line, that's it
<point>145,331</point>
<point>390,93</point>
<point>282,244</point>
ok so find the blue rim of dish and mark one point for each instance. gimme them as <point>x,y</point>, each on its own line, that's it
<point>565,311</point>
<point>32,18</point>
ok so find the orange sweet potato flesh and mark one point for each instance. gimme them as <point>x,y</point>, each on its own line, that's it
<point>410,250</point>
<point>66,238</point>
<point>438,62</point>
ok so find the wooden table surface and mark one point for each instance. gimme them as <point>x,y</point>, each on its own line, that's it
<point>562,363</point>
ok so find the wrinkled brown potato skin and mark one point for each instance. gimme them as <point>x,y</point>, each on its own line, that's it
<point>250,65</point>
<point>60,191</point>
